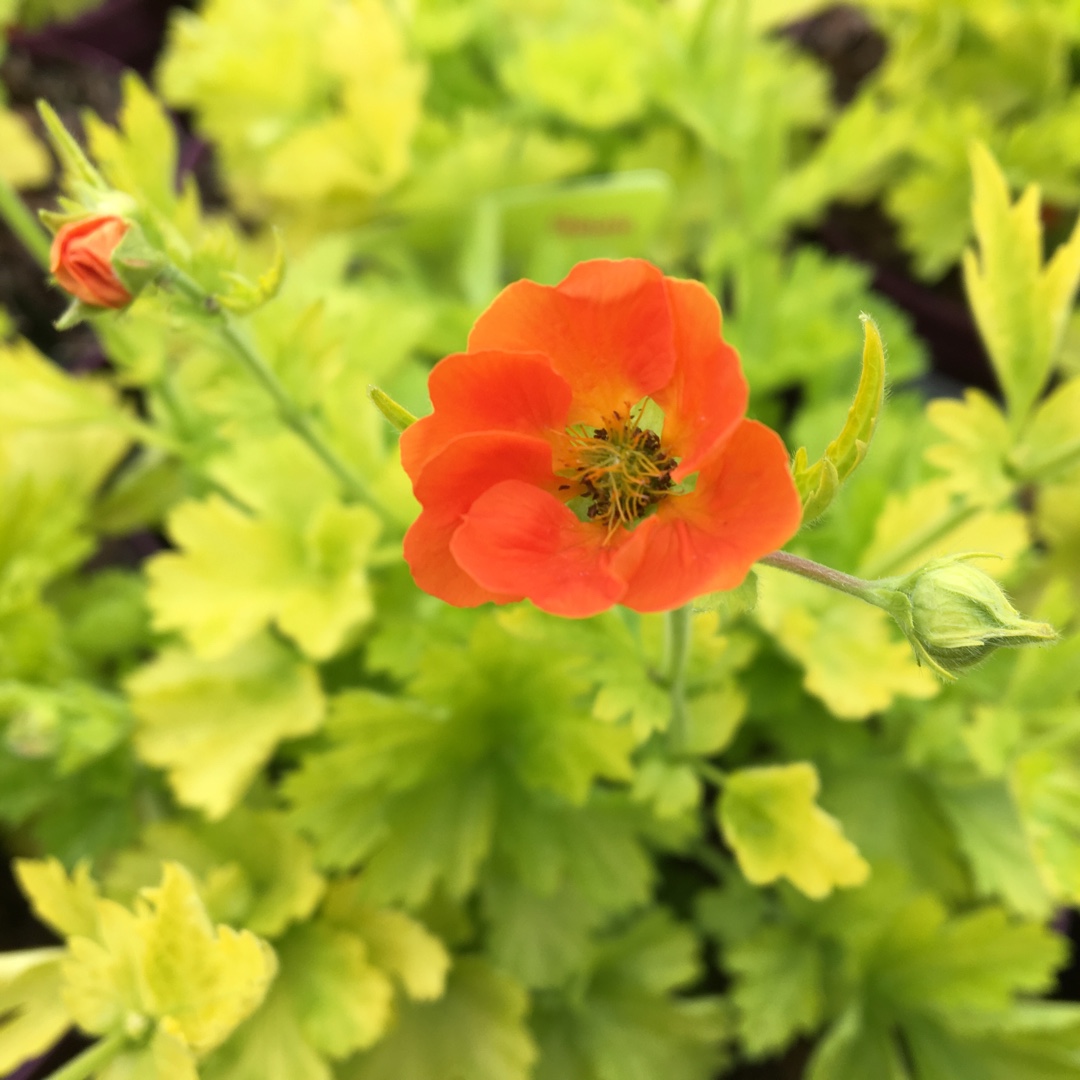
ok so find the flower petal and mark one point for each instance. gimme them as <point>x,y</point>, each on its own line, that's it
<point>707,395</point>
<point>517,537</point>
<point>486,391</point>
<point>743,506</point>
<point>606,327</point>
<point>447,487</point>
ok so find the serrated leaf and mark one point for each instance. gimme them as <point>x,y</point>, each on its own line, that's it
<point>854,660</point>
<point>857,1047</point>
<point>67,904</point>
<point>991,834</point>
<point>294,556</point>
<point>779,987</point>
<point>243,296</point>
<point>975,961</point>
<point>213,724</point>
<point>770,818</point>
<point>1021,306</point>
<point>973,457</point>
<point>625,1019</point>
<point>200,980</point>
<point>32,1017</point>
<point>1049,446</point>
<point>395,942</point>
<point>476,1029</point>
<point>908,532</point>
<point>818,483</point>
<point>342,1001</point>
<point>253,871</point>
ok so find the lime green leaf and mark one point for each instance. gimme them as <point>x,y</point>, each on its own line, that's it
<point>991,834</point>
<point>420,789</point>
<point>1037,1041</point>
<point>24,162</point>
<point>140,157</point>
<point>973,961</point>
<point>342,1002</point>
<point>779,987</point>
<point>819,483</point>
<point>923,523</point>
<point>213,724</point>
<point>252,870</point>
<point>163,963</point>
<point>398,944</point>
<point>1049,445</point>
<point>541,939</point>
<point>1047,794</point>
<point>1020,306</point>
<point>268,1046</point>
<point>67,904</point>
<point>204,981</point>
<point>857,1047</point>
<point>565,69</point>
<point>776,829</point>
<point>244,296</point>
<point>974,455</point>
<point>78,172</point>
<point>671,789</point>
<point>298,561</point>
<point>624,1021</point>
<point>32,1017</point>
<point>477,1029</point>
<point>850,651</point>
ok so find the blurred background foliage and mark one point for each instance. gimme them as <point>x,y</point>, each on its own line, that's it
<point>465,834</point>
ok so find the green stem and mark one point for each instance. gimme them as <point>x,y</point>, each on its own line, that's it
<point>824,575</point>
<point>290,412</point>
<point>94,1058</point>
<point>715,776</point>
<point>677,651</point>
<point>23,224</point>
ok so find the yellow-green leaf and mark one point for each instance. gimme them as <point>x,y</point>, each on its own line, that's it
<point>855,660</point>
<point>1021,307</point>
<point>24,162</point>
<point>818,483</point>
<point>32,1017</point>
<point>213,724</point>
<point>771,820</point>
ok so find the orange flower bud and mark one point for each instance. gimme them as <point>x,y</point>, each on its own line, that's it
<point>81,260</point>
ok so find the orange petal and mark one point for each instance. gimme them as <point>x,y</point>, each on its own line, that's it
<point>606,327</point>
<point>447,487</point>
<point>517,537</point>
<point>743,506</point>
<point>486,391</point>
<point>707,394</point>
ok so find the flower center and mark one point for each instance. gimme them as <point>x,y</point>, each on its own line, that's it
<point>622,469</point>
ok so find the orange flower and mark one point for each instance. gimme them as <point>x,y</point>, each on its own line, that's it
<point>590,449</point>
<point>81,260</point>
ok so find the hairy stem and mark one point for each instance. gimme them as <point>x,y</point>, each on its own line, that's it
<point>23,224</point>
<point>677,654</point>
<point>824,575</point>
<point>291,414</point>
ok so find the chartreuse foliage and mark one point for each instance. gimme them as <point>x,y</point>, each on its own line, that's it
<point>482,844</point>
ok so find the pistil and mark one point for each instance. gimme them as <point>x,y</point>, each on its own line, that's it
<point>622,469</point>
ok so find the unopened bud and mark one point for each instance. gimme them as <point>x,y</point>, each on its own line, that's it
<point>955,615</point>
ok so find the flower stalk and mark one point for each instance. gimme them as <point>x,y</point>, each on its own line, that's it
<point>953,614</point>
<point>679,633</point>
<point>19,219</point>
<point>291,414</point>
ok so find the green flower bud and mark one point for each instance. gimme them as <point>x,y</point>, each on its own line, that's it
<point>955,615</point>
